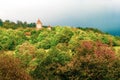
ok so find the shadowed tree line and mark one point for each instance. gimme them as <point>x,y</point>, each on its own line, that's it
<point>15,25</point>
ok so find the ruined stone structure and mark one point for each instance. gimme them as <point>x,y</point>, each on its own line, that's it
<point>49,27</point>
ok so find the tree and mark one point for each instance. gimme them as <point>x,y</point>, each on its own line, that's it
<point>9,24</point>
<point>19,23</point>
<point>31,25</point>
<point>1,22</point>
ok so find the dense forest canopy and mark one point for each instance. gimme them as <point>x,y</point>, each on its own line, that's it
<point>62,53</point>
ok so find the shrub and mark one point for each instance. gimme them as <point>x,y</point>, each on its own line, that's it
<point>90,68</point>
<point>98,48</point>
<point>64,37</point>
<point>10,69</point>
<point>9,39</point>
<point>39,57</point>
<point>42,35</point>
<point>34,36</point>
<point>92,61</point>
<point>47,68</point>
<point>25,52</point>
<point>44,44</point>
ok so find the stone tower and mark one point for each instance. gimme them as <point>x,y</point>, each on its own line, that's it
<point>39,24</point>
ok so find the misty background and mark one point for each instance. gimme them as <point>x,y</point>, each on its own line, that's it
<point>101,14</point>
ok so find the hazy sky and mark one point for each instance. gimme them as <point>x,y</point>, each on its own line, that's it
<point>103,14</point>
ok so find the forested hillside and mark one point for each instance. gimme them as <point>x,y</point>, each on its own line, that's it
<point>63,53</point>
